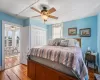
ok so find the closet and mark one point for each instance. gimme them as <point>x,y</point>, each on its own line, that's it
<point>38,36</point>
<point>31,37</point>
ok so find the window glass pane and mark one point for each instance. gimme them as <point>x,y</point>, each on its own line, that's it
<point>57,32</point>
<point>9,34</point>
<point>9,42</point>
<point>17,37</point>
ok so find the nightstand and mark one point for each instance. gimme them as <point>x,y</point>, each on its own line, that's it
<point>91,58</point>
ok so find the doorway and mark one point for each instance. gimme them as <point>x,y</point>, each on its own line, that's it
<point>11,45</point>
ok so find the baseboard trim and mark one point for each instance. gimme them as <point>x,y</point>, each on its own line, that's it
<point>0,68</point>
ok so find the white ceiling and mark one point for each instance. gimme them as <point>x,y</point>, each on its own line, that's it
<point>66,9</point>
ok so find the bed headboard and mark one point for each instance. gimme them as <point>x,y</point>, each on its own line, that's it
<point>79,40</point>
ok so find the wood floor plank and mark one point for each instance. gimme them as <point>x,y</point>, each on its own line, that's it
<point>22,69</point>
<point>11,75</point>
<point>20,74</point>
<point>3,76</point>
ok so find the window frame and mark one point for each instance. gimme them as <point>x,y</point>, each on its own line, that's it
<point>61,31</point>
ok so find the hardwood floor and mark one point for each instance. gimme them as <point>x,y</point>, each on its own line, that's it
<point>16,73</point>
<point>12,61</point>
<point>91,74</point>
<point>20,73</point>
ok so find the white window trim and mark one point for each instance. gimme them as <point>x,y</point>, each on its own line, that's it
<point>61,33</point>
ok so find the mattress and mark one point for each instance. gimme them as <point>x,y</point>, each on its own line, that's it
<point>54,65</point>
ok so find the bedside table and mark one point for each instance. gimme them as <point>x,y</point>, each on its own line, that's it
<point>91,58</point>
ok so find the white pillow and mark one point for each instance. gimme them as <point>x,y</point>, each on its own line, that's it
<point>73,43</point>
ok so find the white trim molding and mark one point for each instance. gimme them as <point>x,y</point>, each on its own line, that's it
<point>3,55</point>
<point>3,33</point>
<point>60,25</point>
<point>0,68</point>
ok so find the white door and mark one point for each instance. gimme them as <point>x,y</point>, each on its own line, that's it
<point>25,37</point>
<point>38,36</point>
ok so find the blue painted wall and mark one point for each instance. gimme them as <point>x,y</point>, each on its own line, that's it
<point>34,22</point>
<point>26,22</point>
<point>89,22</point>
<point>8,18</point>
<point>38,23</point>
<point>98,37</point>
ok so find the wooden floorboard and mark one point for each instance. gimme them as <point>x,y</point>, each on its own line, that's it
<point>11,75</point>
<point>20,73</point>
<point>3,76</point>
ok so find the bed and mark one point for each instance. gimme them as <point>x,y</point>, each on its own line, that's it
<point>57,63</point>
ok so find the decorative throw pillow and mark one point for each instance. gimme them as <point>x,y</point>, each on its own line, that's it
<point>64,43</point>
<point>50,42</point>
<point>56,42</point>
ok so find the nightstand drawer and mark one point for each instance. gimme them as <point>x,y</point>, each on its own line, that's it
<point>90,58</point>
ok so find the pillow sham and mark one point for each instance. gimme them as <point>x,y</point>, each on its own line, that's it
<point>64,43</point>
<point>57,41</point>
<point>73,43</point>
<point>50,42</point>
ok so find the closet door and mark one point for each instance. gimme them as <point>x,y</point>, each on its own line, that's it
<point>38,37</point>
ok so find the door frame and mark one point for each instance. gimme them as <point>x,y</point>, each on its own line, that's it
<point>3,43</point>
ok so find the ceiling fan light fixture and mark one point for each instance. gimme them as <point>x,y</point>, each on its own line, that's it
<point>44,17</point>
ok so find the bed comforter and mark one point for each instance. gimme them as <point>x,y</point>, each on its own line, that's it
<point>68,56</point>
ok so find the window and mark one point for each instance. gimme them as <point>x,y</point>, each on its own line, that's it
<point>17,37</point>
<point>8,37</point>
<point>57,30</point>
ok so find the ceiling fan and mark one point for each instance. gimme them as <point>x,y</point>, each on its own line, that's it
<point>45,14</point>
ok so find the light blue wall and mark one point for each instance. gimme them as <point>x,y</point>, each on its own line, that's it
<point>34,22</point>
<point>89,22</point>
<point>26,22</point>
<point>11,19</point>
<point>49,32</point>
<point>38,23</point>
<point>98,38</point>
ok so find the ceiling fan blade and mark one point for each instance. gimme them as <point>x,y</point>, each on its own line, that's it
<point>51,10</point>
<point>35,10</point>
<point>54,17</point>
<point>36,16</point>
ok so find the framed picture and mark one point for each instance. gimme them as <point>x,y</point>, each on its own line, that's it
<point>72,31</point>
<point>86,32</point>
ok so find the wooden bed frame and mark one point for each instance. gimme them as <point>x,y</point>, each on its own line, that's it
<point>79,40</point>
<point>37,71</point>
